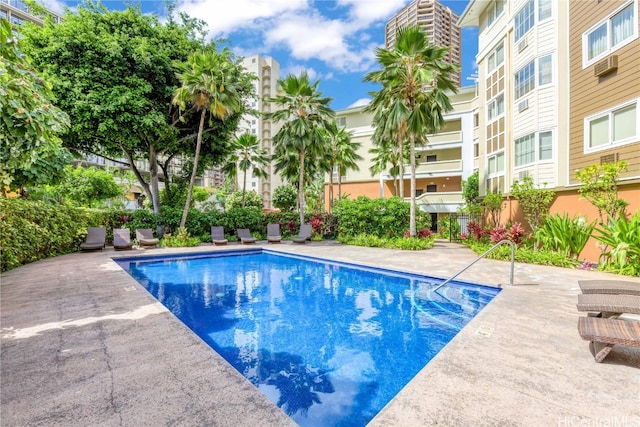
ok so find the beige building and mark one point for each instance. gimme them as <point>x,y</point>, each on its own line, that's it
<point>443,162</point>
<point>17,12</point>
<point>268,72</point>
<point>558,90</point>
<point>438,21</point>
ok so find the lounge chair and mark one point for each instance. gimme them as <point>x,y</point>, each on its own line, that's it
<point>96,239</point>
<point>605,333</point>
<point>608,305</point>
<point>122,239</point>
<point>304,235</point>
<point>245,236</point>
<point>144,236</point>
<point>217,236</point>
<point>273,233</point>
<point>609,287</point>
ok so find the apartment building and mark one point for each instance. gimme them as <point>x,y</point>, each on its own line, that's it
<point>559,87</point>
<point>17,12</point>
<point>268,72</point>
<point>439,23</point>
<point>442,163</point>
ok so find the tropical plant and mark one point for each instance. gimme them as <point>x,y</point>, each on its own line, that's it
<point>492,204</point>
<point>563,234</point>
<point>344,155</point>
<point>304,113</point>
<point>284,197</point>
<point>535,202</point>
<point>240,199</point>
<point>30,125</point>
<point>386,153</point>
<point>600,187</point>
<point>412,101</point>
<point>471,195</point>
<point>212,82</point>
<point>622,236</point>
<point>246,154</point>
<point>448,227</point>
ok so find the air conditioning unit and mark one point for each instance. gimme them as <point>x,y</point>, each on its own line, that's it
<point>523,105</point>
<point>607,65</point>
<point>522,45</point>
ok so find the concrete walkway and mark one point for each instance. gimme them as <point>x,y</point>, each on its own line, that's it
<point>83,344</point>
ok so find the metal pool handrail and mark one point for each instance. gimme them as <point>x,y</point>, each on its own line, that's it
<point>491,249</point>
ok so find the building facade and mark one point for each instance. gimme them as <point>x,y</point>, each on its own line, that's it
<point>439,23</point>
<point>558,90</point>
<point>17,12</point>
<point>442,163</point>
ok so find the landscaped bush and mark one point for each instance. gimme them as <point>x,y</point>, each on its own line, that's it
<point>563,234</point>
<point>376,217</point>
<point>30,231</point>
<point>622,237</point>
<point>405,243</point>
<point>523,254</point>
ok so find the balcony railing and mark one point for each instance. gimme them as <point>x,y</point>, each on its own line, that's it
<point>444,138</point>
<point>440,167</point>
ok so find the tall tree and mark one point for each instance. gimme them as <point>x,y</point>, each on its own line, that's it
<point>304,113</point>
<point>414,77</point>
<point>30,125</point>
<point>212,82</point>
<point>343,156</point>
<point>246,154</point>
<point>113,74</point>
<point>386,153</point>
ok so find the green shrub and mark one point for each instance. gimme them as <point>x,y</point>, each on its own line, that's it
<point>285,198</point>
<point>405,243</point>
<point>449,227</point>
<point>251,200</point>
<point>180,240</point>
<point>564,234</point>
<point>622,237</point>
<point>523,254</point>
<point>377,217</point>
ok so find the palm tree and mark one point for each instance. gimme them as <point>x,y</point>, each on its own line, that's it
<point>209,84</point>
<point>386,152</point>
<point>304,113</point>
<point>344,155</point>
<point>246,154</point>
<point>412,101</point>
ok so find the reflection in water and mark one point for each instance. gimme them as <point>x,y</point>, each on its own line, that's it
<point>329,344</point>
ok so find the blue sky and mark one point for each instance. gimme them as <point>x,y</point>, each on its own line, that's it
<point>333,40</point>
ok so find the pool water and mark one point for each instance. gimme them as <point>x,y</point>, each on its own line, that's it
<point>330,343</point>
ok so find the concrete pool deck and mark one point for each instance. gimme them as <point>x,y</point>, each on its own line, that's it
<point>83,344</point>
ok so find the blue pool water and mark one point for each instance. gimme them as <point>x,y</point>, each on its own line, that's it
<point>331,344</point>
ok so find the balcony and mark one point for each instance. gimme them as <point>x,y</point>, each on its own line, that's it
<point>443,138</point>
<point>440,202</point>
<point>441,168</point>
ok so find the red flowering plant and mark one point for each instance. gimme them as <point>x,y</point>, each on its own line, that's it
<point>423,233</point>
<point>316,224</point>
<point>497,234</point>
<point>477,231</point>
<point>516,233</point>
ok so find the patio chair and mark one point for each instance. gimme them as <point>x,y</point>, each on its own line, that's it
<point>122,239</point>
<point>609,287</point>
<point>96,239</point>
<point>304,235</point>
<point>273,233</point>
<point>605,333</point>
<point>608,305</point>
<point>144,237</point>
<point>245,236</point>
<point>217,236</point>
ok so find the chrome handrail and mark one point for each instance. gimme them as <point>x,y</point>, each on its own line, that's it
<point>500,243</point>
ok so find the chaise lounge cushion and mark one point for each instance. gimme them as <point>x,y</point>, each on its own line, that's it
<point>245,236</point>
<point>605,333</point>
<point>144,237</point>
<point>96,239</point>
<point>217,235</point>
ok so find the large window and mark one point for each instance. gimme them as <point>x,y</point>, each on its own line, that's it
<point>495,107</point>
<point>495,164</point>
<point>532,145</point>
<point>524,20</point>
<point>496,58</point>
<point>610,34</point>
<point>495,10</point>
<point>544,9</point>
<point>616,126</point>
<point>525,78</point>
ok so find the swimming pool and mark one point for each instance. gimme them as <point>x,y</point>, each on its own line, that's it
<point>330,343</point>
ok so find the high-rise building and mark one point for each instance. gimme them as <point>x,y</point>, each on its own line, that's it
<point>438,21</point>
<point>268,72</point>
<point>17,12</point>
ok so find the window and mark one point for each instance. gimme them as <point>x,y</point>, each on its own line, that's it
<point>524,20</point>
<point>432,158</point>
<point>616,126</point>
<point>527,146</point>
<point>496,58</point>
<point>495,164</point>
<point>525,150</point>
<point>476,120</point>
<point>495,107</point>
<point>611,34</point>
<point>495,10</point>
<point>545,71</point>
<point>432,188</point>
<point>525,80</point>
<point>544,9</point>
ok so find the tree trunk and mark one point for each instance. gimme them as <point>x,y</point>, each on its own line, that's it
<point>412,207</point>
<point>192,182</point>
<point>339,183</point>
<point>301,188</point>
<point>244,186</point>
<point>145,186</point>
<point>331,187</point>
<point>401,169</point>
<point>153,172</point>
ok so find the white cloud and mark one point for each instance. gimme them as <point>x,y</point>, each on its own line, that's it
<point>360,103</point>
<point>364,13</point>
<point>56,6</point>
